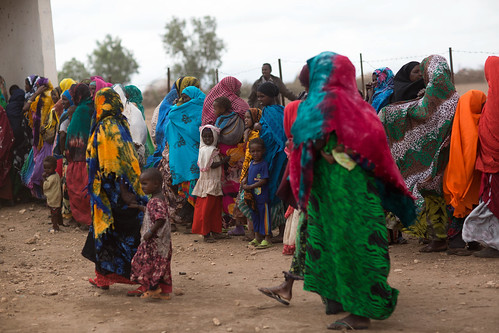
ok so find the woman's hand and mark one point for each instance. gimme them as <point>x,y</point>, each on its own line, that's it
<point>257,126</point>
<point>328,157</point>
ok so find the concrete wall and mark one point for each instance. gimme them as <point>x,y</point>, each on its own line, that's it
<point>27,41</point>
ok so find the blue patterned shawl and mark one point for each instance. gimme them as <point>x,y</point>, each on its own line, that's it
<point>182,135</point>
<point>384,88</point>
<point>272,133</point>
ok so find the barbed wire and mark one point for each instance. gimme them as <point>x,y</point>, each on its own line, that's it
<point>369,62</point>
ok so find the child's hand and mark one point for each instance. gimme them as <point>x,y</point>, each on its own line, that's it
<point>137,206</point>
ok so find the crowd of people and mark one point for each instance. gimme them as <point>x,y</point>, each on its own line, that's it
<point>336,176</point>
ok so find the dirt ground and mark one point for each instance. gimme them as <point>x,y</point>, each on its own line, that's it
<point>44,288</point>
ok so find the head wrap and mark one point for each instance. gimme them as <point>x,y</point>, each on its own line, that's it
<point>81,93</point>
<point>384,88</point>
<point>403,88</point>
<point>488,128</point>
<point>184,82</point>
<point>135,96</point>
<point>269,89</point>
<point>207,153</point>
<point>67,94</point>
<point>228,87</point>
<point>99,84</point>
<point>66,83</point>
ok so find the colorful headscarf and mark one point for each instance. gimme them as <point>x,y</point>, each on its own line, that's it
<point>229,87</point>
<point>99,84</point>
<point>384,88</point>
<point>334,105</point>
<point>111,161</point>
<point>66,83</point>
<point>134,95</point>
<point>138,126</point>
<point>40,111</point>
<point>31,81</point>
<point>67,94</point>
<point>184,82</point>
<point>403,88</point>
<point>488,129</point>
<point>461,183</point>
<point>207,153</point>
<point>419,131</point>
<point>79,127</point>
<point>182,135</point>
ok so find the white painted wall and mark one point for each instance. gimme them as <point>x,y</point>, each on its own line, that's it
<point>26,41</point>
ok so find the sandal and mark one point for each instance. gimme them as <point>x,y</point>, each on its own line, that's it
<point>254,242</point>
<point>95,284</point>
<point>435,246</point>
<point>264,245</point>
<point>137,292</point>
<point>271,294</point>
<point>151,293</point>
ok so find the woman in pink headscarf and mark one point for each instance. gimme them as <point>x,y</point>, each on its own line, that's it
<point>229,87</point>
<point>96,84</point>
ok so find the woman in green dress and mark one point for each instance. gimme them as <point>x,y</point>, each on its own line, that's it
<point>343,176</point>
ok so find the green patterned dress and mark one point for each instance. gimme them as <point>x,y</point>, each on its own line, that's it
<point>346,257</point>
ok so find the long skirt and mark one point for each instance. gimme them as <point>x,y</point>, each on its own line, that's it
<point>347,256</point>
<point>112,252</point>
<point>36,180</point>
<point>79,200</point>
<point>207,215</point>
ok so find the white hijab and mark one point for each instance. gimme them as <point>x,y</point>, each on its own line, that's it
<point>207,153</point>
<point>138,127</point>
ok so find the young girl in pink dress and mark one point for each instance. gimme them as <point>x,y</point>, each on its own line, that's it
<point>151,263</point>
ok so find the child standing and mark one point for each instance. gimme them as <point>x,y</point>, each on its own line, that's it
<point>256,182</point>
<point>151,263</point>
<point>52,190</point>
<point>208,189</point>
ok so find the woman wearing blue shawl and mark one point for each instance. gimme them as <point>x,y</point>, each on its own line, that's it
<point>164,108</point>
<point>383,88</point>
<point>272,133</point>
<point>182,135</point>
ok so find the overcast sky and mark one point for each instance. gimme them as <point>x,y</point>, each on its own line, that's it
<point>387,33</point>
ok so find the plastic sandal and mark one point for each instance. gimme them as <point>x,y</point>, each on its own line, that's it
<point>254,242</point>
<point>264,245</point>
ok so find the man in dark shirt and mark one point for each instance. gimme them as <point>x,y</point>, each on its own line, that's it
<point>266,70</point>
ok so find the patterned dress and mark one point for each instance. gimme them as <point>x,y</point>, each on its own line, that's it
<point>151,263</point>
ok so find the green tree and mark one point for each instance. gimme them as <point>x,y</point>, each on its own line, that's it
<point>74,69</point>
<point>112,61</point>
<point>197,50</point>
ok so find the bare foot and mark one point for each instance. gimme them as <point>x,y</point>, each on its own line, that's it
<point>281,293</point>
<point>435,246</point>
<point>350,322</point>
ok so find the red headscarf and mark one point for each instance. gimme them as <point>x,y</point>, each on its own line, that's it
<point>230,88</point>
<point>488,128</point>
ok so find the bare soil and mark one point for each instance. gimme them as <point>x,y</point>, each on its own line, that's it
<point>44,288</point>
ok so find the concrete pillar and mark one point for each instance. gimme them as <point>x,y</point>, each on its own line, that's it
<point>27,41</point>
